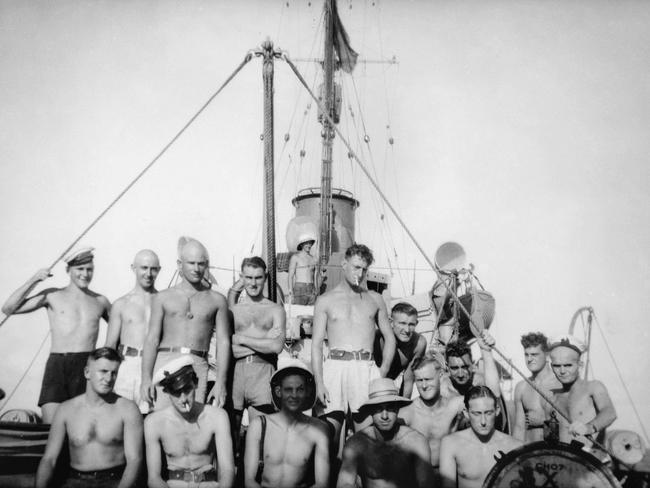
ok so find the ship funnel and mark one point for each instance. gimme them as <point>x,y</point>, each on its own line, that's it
<point>307,204</point>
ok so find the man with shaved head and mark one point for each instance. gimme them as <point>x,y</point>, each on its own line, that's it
<point>183,319</point>
<point>128,325</point>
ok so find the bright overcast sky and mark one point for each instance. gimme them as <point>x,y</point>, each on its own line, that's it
<point>520,130</point>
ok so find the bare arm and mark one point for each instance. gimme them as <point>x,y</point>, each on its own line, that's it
<point>604,406</point>
<point>409,377</point>
<point>17,303</point>
<point>150,348</point>
<point>293,264</point>
<point>390,342</point>
<point>274,340</point>
<point>423,470</point>
<point>132,444</point>
<point>252,454</point>
<point>317,337</point>
<point>234,292</point>
<point>154,454</point>
<point>114,325</point>
<point>447,463</point>
<point>223,333</point>
<point>519,428</point>
<point>107,308</point>
<point>53,448</point>
<point>223,445</point>
<point>321,460</point>
<point>490,371</point>
<point>348,472</point>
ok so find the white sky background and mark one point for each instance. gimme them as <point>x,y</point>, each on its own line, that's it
<point>521,131</point>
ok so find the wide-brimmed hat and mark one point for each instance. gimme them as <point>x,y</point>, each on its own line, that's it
<point>568,341</point>
<point>383,390</point>
<point>295,366</point>
<point>176,374</point>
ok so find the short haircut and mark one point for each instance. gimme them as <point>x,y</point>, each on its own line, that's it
<point>360,250</point>
<point>105,353</point>
<point>405,308</point>
<point>533,339</point>
<point>425,360</point>
<point>457,349</point>
<point>253,262</point>
<point>479,391</point>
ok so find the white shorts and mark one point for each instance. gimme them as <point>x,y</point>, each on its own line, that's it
<point>347,383</point>
<point>127,383</point>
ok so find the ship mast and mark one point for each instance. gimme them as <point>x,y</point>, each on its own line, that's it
<point>327,135</point>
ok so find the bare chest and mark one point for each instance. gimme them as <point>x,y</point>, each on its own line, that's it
<point>292,446</point>
<point>184,440</point>
<point>252,320</point>
<point>101,426</point>
<point>433,424</point>
<point>67,309</point>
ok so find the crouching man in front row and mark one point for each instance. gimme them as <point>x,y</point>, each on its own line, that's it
<point>104,432</point>
<point>185,431</point>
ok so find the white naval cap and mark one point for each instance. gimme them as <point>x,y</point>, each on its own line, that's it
<point>173,369</point>
<point>569,341</point>
<point>80,256</point>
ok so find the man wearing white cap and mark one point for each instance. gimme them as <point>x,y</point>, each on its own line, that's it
<point>74,313</point>
<point>297,446</point>
<point>128,325</point>
<point>188,433</point>
<point>183,320</point>
<point>586,403</point>
<point>302,269</point>
<point>387,454</point>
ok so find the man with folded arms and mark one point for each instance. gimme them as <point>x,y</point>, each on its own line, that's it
<point>103,430</point>
<point>183,319</point>
<point>128,326</point>
<point>74,313</point>
<point>188,433</point>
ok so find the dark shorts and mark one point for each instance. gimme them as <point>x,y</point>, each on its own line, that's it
<point>104,478</point>
<point>64,377</point>
<point>303,293</point>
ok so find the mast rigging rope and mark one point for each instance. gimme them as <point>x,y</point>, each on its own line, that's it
<point>460,306</point>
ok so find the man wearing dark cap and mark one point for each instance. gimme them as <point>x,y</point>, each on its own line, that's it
<point>585,402</point>
<point>188,433</point>
<point>103,430</point>
<point>74,313</point>
<point>386,454</point>
<point>288,449</point>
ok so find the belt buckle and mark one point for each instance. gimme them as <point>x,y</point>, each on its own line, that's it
<point>249,359</point>
<point>356,355</point>
<point>184,350</point>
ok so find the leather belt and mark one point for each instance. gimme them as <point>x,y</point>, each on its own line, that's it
<point>184,350</point>
<point>254,358</point>
<point>100,474</point>
<point>129,351</point>
<point>342,355</point>
<point>192,476</point>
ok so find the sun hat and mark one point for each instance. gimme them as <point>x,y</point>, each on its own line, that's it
<point>294,366</point>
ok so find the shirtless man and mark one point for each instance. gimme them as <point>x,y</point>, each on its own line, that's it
<point>348,314</point>
<point>188,433</point>
<point>256,343</point>
<point>387,454</point>
<point>467,456</point>
<point>74,313</point>
<point>302,270</point>
<point>529,413</point>
<point>128,326</point>
<point>463,374</point>
<point>183,319</point>
<point>431,414</point>
<point>297,446</point>
<point>410,346</point>
<point>586,403</point>
<point>104,432</point>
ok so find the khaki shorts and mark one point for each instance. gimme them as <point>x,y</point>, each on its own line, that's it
<point>251,384</point>
<point>347,383</point>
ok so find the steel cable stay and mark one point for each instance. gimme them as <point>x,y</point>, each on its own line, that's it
<point>451,292</point>
<point>247,58</point>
